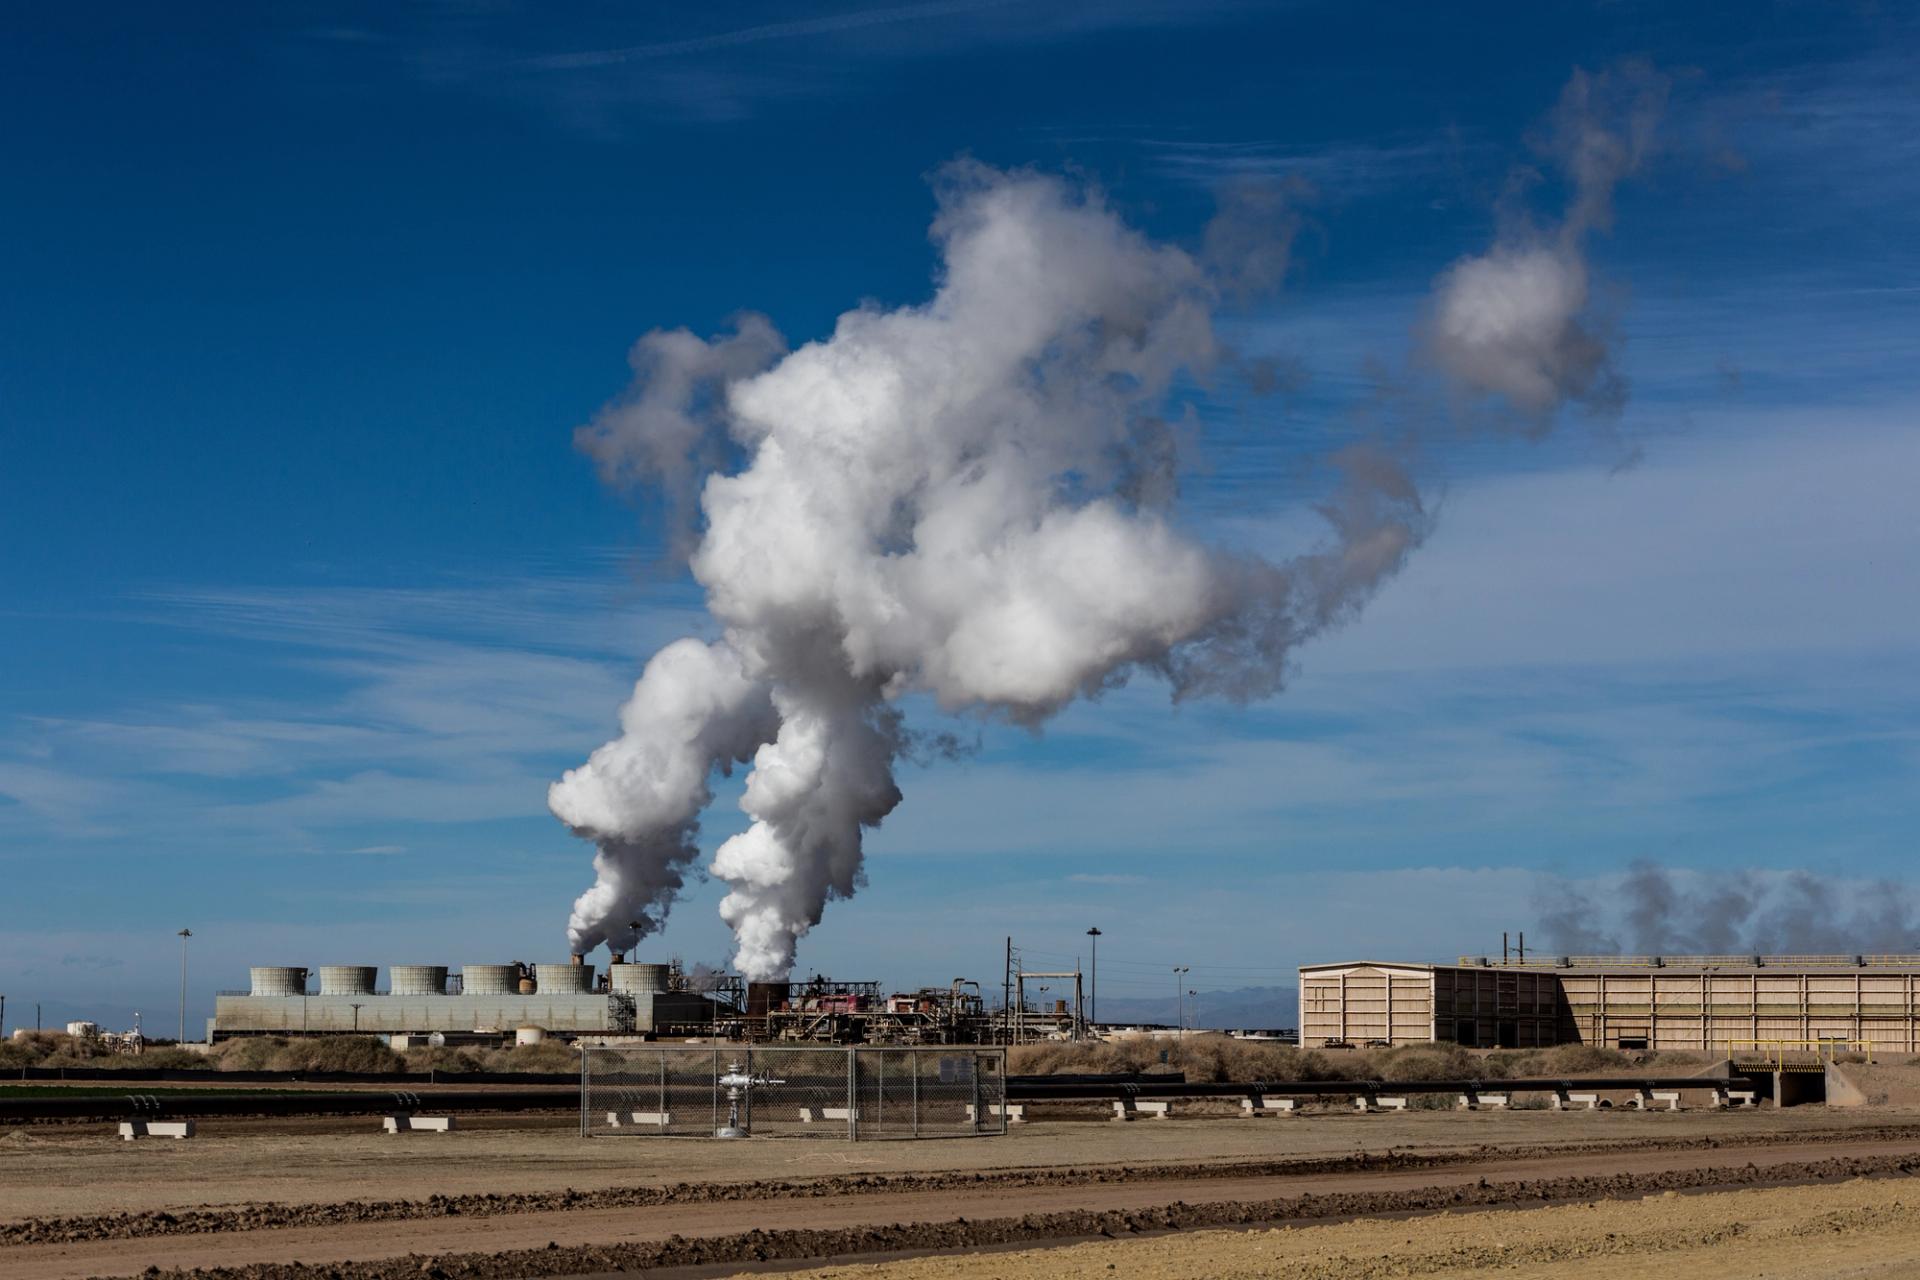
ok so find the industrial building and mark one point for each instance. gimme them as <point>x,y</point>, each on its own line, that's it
<point>1696,1003</point>
<point>565,999</point>
<point>569,1001</point>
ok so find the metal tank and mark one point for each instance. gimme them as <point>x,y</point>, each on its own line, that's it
<point>278,980</point>
<point>563,979</point>
<point>347,979</point>
<point>418,979</point>
<point>489,979</point>
<point>638,979</point>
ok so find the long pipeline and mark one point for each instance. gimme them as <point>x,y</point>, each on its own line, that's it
<point>133,1106</point>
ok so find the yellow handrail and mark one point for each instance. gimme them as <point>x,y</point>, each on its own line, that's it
<point>1824,1050</point>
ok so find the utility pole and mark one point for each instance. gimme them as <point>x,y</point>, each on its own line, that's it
<point>1094,999</point>
<point>1006,992</point>
<point>1179,1002</point>
<point>184,935</point>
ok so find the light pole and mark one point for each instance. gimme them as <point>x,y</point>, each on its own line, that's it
<point>1196,1009</point>
<point>1179,1002</point>
<point>184,935</point>
<point>1094,1000</point>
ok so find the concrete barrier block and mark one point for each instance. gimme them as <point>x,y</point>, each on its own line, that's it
<point>1016,1112</point>
<point>1475,1101</point>
<point>132,1129</point>
<point>1267,1106</point>
<point>418,1124</point>
<point>809,1115</point>
<point>1576,1101</point>
<point>639,1119</point>
<point>1158,1110</point>
<point>1380,1104</point>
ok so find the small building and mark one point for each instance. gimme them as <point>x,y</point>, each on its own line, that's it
<point>1694,1003</point>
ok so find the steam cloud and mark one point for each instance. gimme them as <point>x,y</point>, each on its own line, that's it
<point>1660,912</point>
<point>969,498</point>
<point>1515,323</point>
<point>973,499</point>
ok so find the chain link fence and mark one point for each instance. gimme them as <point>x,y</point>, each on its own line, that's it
<point>706,1091</point>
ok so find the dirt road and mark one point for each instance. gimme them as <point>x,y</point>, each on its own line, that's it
<point>1857,1230</point>
<point>1135,1194</point>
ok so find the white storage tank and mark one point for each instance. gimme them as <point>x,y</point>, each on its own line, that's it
<point>638,979</point>
<point>278,980</point>
<point>347,979</point>
<point>418,979</point>
<point>563,979</point>
<point>489,979</point>
<point>529,1035</point>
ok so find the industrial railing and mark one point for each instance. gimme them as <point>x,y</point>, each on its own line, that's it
<point>1774,1052</point>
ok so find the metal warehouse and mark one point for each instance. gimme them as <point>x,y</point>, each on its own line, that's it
<point>1699,1003</point>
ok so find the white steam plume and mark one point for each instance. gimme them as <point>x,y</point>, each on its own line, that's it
<point>1516,323</point>
<point>969,498</point>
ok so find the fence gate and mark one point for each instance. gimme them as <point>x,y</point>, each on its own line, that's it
<point>706,1091</point>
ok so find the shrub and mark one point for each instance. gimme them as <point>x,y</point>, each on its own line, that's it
<point>247,1053</point>
<point>1573,1059</point>
<point>548,1055</point>
<point>165,1058</point>
<point>337,1053</point>
<point>1427,1062</point>
<point>443,1058</point>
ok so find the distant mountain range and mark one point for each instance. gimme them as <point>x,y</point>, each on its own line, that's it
<point>1245,1009</point>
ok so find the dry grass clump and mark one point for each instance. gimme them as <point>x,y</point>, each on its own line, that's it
<point>1429,1062</point>
<point>1099,1057</point>
<point>323,1053</point>
<point>1203,1057</point>
<point>58,1049</point>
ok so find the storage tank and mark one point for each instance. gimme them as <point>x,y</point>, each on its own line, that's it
<point>638,979</point>
<point>418,979</point>
<point>278,980</point>
<point>563,979</point>
<point>347,979</point>
<point>489,979</point>
<point>529,1035</point>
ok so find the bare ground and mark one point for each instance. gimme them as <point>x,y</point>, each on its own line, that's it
<point>339,1201</point>
<point>1863,1230</point>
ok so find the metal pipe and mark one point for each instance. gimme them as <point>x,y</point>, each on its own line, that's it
<point>370,1102</point>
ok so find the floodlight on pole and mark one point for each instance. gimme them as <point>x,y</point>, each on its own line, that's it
<point>184,935</point>
<point>1094,933</point>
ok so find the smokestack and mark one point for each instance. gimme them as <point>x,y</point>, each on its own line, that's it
<point>579,958</point>
<point>1523,946</point>
<point>1504,957</point>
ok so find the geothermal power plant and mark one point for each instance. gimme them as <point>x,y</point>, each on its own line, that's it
<point>1690,1003</point>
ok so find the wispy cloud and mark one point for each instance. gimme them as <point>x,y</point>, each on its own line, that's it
<point>829,25</point>
<point>1338,171</point>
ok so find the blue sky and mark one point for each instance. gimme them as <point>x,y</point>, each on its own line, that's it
<point>305,595</point>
